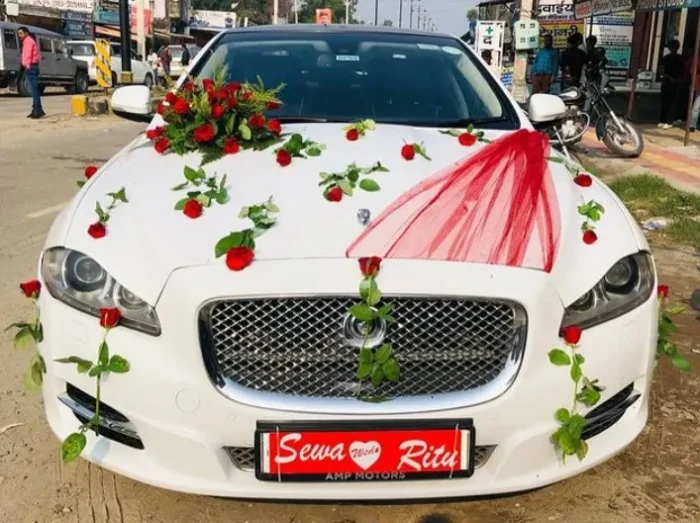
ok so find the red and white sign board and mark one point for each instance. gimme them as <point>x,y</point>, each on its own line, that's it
<point>366,451</point>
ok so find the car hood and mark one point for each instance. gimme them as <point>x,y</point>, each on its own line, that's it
<point>147,239</point>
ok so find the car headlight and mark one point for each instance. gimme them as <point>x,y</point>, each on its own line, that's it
<point>79,281</point>
<point>627,285</point>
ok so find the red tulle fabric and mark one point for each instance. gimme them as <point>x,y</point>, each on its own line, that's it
<point>497,206</point>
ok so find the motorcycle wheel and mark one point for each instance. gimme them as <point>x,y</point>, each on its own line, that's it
<point>620,144</point>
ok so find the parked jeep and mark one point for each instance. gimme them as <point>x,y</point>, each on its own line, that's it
<point>57,64</point>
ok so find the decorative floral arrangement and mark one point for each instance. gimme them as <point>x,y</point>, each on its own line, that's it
<point>337,184</point>
<point>74,444</point>
<point>217,118</point>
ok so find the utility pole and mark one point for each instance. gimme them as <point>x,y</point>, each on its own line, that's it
<point>296,12</point>
<point>376,12</point>
<point>418,21</point>
<point>140,29</point>
<point>520,62</point>
<point>410,19</point>
<point>275,11</point>
<point>125,32</point>
<point>400,13</point>
<point>347,11</point>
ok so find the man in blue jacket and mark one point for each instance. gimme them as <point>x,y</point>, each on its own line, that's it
<point>545,67</point>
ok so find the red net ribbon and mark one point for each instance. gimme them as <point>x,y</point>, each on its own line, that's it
<point>498,206</point>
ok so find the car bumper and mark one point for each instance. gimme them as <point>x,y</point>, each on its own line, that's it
<point>186,424</point>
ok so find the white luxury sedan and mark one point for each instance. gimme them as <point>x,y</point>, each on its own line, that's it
<point>340,258</point>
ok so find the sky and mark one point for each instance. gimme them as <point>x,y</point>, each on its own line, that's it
<point>450,16</point>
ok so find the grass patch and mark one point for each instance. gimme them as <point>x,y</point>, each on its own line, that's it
<point>647,196</point>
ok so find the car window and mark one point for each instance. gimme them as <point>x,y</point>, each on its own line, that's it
<point>115,50</point>
<point>45,44</point>
<point>82,49</point>
<point>10,39</point>
<point>57,45</point>
<point>176,52</point>
<point>393,78</point>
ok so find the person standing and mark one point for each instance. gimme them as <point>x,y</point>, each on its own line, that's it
<point>545,67</point>
<point>573,60</point>
<point>185,57</point>
<point>165,59</point>
<point>672,74</point>
<point>31,59</point>
<point>153,62</point>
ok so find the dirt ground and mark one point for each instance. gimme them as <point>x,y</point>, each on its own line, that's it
<point>656,480</point>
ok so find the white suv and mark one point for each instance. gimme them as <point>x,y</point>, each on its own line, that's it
<point>84,50</point>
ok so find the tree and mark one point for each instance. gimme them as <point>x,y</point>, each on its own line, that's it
<point>473,14</point>
<point>388,23</point>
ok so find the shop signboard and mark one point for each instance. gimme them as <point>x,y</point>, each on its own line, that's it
<point>555,10</point>
<point>212,19</point>
<point>659,5</point>
<point>83,6</point>
<point>588,8</point>
<point>560,31</point>
<point>614,33</point>
<point>77,29</point>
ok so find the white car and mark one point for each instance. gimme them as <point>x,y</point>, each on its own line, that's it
<point>176,67</point>
<point>84,50</point>
<point>508,277</point>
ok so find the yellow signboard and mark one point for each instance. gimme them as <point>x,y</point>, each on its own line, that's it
<point>103,64</point>
<point>560,31</point>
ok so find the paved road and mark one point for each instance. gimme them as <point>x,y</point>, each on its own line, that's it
<point>39,164</point>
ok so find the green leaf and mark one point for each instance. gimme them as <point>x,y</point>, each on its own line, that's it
<point>245,131</point>
<point>353,175</point>
<point>271,207</point>
<point>579,359</point>
<point>295,144</point>
<point>559,357</point>
<point>228,242</point>
<point>470,128</point>
<point>366,355</point>
<point>379,168</point>
<point>385,311</point>
<point>576,372</point>
<point>382,353</point>
<point>80,183</point>
<point>190,174</point>
<point>364,370</point>
<point>362,312</point>
<point>675,310</point>
<point>118,364</point>
<point>181,204</point>
<point>222,196</point>
<point>211,154</point>
<point>96,371</point>
<point>83,365</point>
<point>72,447</point>
<point>204,200</point>
<point>101,216</point>
<point>120,195</point>
<point>16,325</point>
<point>103,352</point>
<point>369,291</point>
<point>180,186</point>
<point>377,376</point>
<point>33,378</point>
<point>23,338</point>
<point>314,151</point>
<point>345,187</point>
<point>369,185</point>
<point>562,415</point>
<point>391,370</point>
<point>680,363</point>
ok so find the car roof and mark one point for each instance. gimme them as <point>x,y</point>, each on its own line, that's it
<point>32,28</point>
<point>333,28</point>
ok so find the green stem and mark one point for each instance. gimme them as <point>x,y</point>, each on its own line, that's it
<point>95,421</point>
<point>573,359</point>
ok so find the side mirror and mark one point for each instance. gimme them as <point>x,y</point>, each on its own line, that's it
<point>544,108</point>
<point>133,102</point>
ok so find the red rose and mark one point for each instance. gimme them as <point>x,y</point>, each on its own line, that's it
<point>247,96</point>
<point>181,106</point>
<point>156,132</point>
<point>207,84</point>
<point>256,121</point>
<point>661,290</point>
<point>352,134</point>
<point>217,111</point>
<point>233,87</point>
<point>231,146</point>
<point>571,334</point>
<point>90,171</point>
<point>334,194</point>
<point>222,93</point>
<point>232,102</point>
<point>161,108</point>
<point>274,126</point>
<point>589,237</point>
<point>32,288</point>
<point>584,180</point>
<point>161,145</point>
<point>467,139</point>
<point>97,230</point>
<point>238,258</point>
<point>271,106</point>
<point>192,209</point>
<point>370,266</point>
<point>109,317</point>
<point>284,158</point>
<point>188,87</point>
<point>204,133</point>
<point>408,152</point>
<point>171,98</point>
<point>211,93</point>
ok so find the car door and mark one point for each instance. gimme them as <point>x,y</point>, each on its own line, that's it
<point>65,68</point>
<point>47,68</point>
<point>11,50</point>
<point>137,68</point>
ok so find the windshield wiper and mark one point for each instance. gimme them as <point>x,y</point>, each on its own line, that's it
<point>466,122</point>
<point>301,119</point>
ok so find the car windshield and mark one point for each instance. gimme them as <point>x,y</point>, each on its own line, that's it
<point>422,80</point>
<point>82,49</point>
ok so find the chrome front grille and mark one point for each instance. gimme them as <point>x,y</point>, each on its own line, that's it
<point>243,458</point>
<point>296,346</point>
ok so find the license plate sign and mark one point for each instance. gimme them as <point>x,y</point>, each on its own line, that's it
<point>367,451</point>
